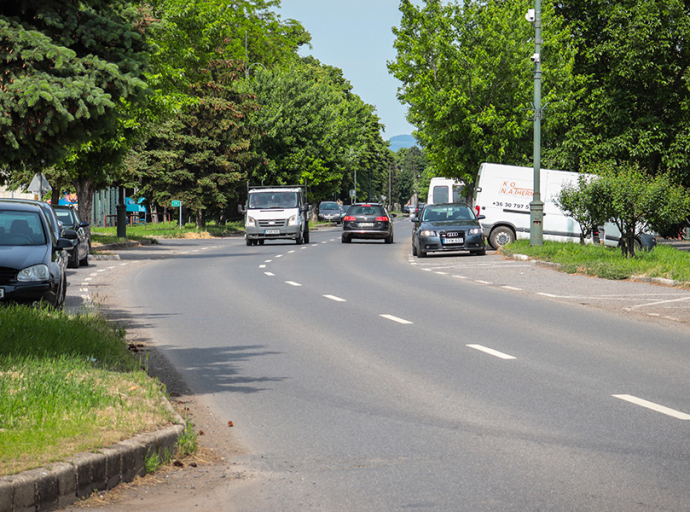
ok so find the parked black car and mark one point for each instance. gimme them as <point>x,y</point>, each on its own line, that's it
<point>370,221</point>
<point>79,253</point>
<point>447,227</point>
<point>32,258</point>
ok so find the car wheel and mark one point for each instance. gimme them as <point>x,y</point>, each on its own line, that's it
<point>421,254</point>
<point>389,239</point>
<point>501,236</point>
<point>306,237</point>
<point>414,249</point>
<point>84,262</point>
<point>345,239</point>
<point>261,242</point>
<point>249,242</point>
<point>72,261</point>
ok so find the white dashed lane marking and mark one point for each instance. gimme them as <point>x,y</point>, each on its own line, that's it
<point>654,407</point>
<point>333,297</point>
<point>396,319</point>
<point>491,351</point>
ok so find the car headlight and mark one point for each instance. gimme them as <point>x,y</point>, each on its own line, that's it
<point>251,223</point>
<point>35,273</point>
<point>292,221</point>
<point>475,231</point>
<point>428,232</point>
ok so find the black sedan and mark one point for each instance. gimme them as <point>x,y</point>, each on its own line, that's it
<point>79,254</point>
<point>370,221</point>
<point>447,227</point>
<point>32,258</point>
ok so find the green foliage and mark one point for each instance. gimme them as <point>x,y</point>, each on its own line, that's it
<point>66,68</point>
<point>467,78</point>
<point>627,196</point>
<point>608,263</point>
<point>630,100</point>
<point>315,131</point>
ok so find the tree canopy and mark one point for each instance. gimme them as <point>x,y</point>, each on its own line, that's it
<point>67,67</point>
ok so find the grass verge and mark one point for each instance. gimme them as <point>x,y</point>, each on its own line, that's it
<point>108,235</point>
<point>68,384</point>
<point>608,262</point>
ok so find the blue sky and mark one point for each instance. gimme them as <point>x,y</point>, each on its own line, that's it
<point>355,36</point>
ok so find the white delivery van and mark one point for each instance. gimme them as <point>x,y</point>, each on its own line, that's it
<point>276,213</point>
<point>445,190</point>
<point>503,195</point>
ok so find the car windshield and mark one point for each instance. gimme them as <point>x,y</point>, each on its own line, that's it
<point>447,213</point>
<point>21,228</point>
<point>273,200</point>
<point>328,206</point>
<point>365,210</point>
<point>65,216</point>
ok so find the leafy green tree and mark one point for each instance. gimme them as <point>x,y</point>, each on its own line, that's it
<point>631,100</point>
<point>468,80</point>
<point>315,131</point>
<point>67,67</point>
<point>201,156</point>
<point>630,198</point>
<point>588,203</point>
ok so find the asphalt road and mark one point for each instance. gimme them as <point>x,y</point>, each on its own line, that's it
<point>360,379</point>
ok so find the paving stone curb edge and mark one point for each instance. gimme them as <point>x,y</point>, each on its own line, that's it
<point>62,483</point>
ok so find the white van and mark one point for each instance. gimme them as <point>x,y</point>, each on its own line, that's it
<point>445,190</point>
<point>503,195</point>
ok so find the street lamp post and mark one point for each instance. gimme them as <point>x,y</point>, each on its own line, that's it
<point>537,206</point>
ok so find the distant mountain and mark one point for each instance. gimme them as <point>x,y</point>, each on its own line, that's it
<point>402,141</point>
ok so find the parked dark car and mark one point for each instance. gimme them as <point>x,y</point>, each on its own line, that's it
<point>32,258</point>
<point>79,253</point>
<point>370,221</point>
<point>330,211</point>
<point>447,227</point>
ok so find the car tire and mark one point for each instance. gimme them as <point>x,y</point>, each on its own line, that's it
<point>72,261</point>
<point>421,254</point>
<point>345,239</point>
<point>306,237</point>
<point>414,249</point>
<point>389,240</point>
<point>249,242</point>
<point>501,236</point>
<point>84,262</point>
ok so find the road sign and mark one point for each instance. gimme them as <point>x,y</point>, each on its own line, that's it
<point>175,204</point>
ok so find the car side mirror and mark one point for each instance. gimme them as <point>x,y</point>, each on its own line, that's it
<point>414,218</point>
<point>70,234</point>
<point>240,208</point>
<point>481,217</point>
<point>84,224</point>
<point>63,243</point>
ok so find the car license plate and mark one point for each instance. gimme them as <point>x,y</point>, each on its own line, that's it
<point>366,224</point>
<point>272,232</point>
<point>2,293</point>
<point>453,240</point>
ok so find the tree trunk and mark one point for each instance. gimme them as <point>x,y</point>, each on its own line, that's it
<point>200,218</point>
<point>85,191</point>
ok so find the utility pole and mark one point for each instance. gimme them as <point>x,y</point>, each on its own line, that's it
<point>537,206</point>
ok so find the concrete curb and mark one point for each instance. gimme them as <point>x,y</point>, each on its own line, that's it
<point>62,483</point>
<point>639,279</point>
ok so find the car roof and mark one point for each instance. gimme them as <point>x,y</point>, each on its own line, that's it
<point>19,204</point>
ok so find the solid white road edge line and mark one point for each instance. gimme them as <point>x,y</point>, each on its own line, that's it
<point>491,351</point>
<point>396,319</point>
<point>653,406</point>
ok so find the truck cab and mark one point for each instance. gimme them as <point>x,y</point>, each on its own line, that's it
<point>276,213</point>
